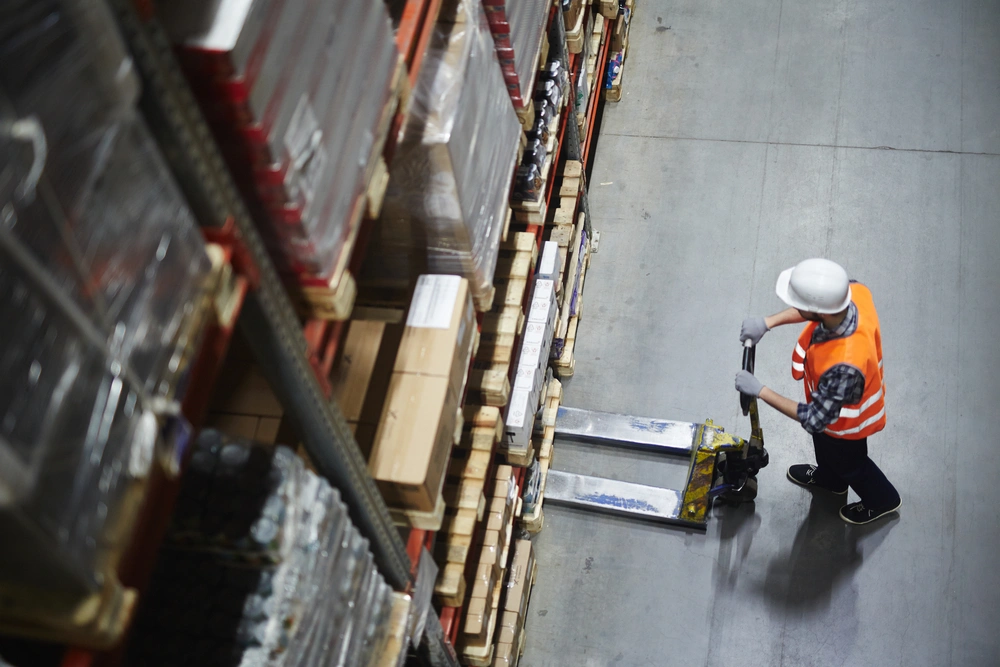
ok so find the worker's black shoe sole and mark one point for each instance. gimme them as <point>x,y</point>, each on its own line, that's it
<point>802,474</point>
<point>859,515</point>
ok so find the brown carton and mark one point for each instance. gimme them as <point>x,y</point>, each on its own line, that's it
<point>439,333</point>
<point>518,576</point>
<point>410,452</point>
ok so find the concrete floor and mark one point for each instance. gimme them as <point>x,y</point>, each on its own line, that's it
<point>752,135</point>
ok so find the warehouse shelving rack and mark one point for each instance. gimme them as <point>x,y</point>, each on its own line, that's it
<point>570,146</point>
<point>295,359</point>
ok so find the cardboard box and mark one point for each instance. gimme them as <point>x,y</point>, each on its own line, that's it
<point>267,430</point>
<point>518,576</point>
<point>410,452</point>
<point>353,372</point>
<point>504,655</point>
<point>476,615</point>
<point>242,390</point>
<point>484,581</point>
<point>440,329</point>
<point>235,426</point>
<point>509,627</point>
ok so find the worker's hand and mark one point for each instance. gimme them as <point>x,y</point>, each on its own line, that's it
<point>746,383</point>
<point>753,329</point>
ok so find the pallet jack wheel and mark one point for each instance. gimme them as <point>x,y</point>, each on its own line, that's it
<point>745,495</point>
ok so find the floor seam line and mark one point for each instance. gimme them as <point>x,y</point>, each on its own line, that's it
<point>888,149</point>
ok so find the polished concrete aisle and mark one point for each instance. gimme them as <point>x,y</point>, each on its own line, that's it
<point>754,134</point>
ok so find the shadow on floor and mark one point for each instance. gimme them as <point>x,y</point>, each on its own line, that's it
<point>823,558</point>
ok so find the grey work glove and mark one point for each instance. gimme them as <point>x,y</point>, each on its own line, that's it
<point>746,383</point>
<point>753,329</point>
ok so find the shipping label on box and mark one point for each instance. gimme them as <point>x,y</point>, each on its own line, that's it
<point>524,378</point>
<point>534,333</point>
<point>548,267</point>
<point>433,303</point>
<point>518,410</point>
<point>541,300</point>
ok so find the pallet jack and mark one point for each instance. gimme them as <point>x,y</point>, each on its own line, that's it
<point>723,467</point>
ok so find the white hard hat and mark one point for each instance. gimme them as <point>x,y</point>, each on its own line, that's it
<point>815,286</point>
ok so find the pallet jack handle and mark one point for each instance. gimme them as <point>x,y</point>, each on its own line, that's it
<point>747,402</point>
<point>749,359</point>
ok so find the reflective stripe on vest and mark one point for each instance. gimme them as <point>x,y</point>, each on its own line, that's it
<point>862,350</point>
<point>798,362</point>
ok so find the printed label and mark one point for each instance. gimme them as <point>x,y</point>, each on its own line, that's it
<point>307,154</point>
<point>518,408</point>
<point>534,333</point>
<point>525,378</point>
<point>549,259</point>
<point>143,445</point>
<point>540,310</point>
<point>433,302</point>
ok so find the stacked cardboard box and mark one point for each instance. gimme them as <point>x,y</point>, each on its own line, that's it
<point>517,592</point>
<point>420,420</point>
<point>299,96</point>
<point>476,637</point>
<point>464,495</point>
<point>518,28</point>
<point>360,377</point>
<point>446,203</point>
<point>243,403</point>
<point>533,360</point>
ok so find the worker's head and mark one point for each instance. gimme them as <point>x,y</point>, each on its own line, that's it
<point>816,288</point>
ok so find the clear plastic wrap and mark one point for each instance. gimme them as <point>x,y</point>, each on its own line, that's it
<point>63,62</point>
<point>294,92</point>
<point>446,201</point>
<point>527,20</point>
<point>74,434</point>
<point>316,599</point>
<point>102,268</point>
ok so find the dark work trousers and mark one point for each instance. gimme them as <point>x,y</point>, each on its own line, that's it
<point>840,462</point>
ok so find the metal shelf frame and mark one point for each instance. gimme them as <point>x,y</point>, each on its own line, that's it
<point>268,321</point>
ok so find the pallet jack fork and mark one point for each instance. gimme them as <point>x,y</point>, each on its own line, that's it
<point>723,467</point>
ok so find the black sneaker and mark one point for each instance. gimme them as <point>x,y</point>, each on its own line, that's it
<point>858,514</point>
<point>803,475</point>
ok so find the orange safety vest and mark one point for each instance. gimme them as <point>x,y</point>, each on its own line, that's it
<point>863,350</point>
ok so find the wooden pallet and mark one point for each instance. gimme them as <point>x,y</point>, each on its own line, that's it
<point>394,645</point>
<point>534,520</point>
<point>534,212</point>
<point>509,653</point>
<point>483,599</point>
<point>573,19</point>
<point>566,364</point>
<point>619,44</point>
<point>594,77</point>
<point>421,520</point>
<point>608,8</point>
<point>489,382</point>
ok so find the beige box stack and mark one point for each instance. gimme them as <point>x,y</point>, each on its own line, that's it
<point>477,636</point>
<point>420,418</point>
<point>511,616</point>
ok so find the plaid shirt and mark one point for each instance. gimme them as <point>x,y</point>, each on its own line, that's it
<point>840,385</point>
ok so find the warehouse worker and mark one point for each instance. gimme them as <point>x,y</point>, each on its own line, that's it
<point>839,356</point>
